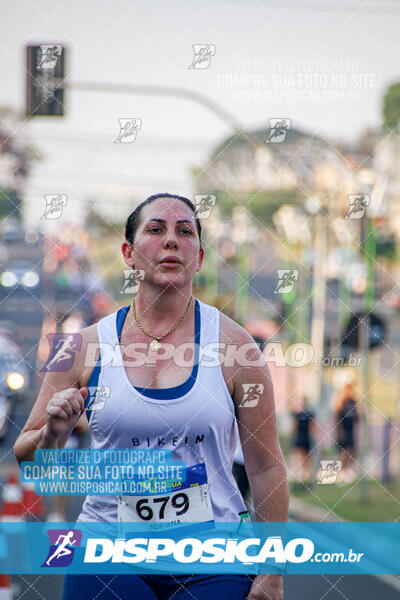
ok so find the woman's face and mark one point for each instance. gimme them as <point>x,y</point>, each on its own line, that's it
<point>167,228</point>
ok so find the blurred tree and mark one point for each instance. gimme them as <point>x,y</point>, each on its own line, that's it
<point>10,203</point>
<point>262,204</point>
<point>16,157</point>
<point>386,246</point>
<point>99,226</point>
<point>391,107</point>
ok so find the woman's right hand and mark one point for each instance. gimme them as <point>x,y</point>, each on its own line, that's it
<point>64,410</point>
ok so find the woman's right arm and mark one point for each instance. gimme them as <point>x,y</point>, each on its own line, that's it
<point>57,409</point>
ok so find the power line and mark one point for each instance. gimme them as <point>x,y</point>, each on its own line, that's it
<point>108,139</point>
<point>331,6</point>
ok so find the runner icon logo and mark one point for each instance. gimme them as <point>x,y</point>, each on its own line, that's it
<point>61,551</point>
<point>133,277</point>
<point>55,203</point>
<point>128,129</point>
<point>98,395</point>
<point>251,394</point>
<point>62,351</point>
<point>329,471</point>
<point>278,129</point>
<point>357,205</point>
<point>286,280</point>
<point>49,55</point>
<point>203,54</point>
<point>204,204</point>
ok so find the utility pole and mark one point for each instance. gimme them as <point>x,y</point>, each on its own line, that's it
<point>367,250</point>
<point>318,397</point>
<point>240,235</point>
<point>213,228</point>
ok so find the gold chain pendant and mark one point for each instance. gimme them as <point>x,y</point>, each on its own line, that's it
<point>155,345</point>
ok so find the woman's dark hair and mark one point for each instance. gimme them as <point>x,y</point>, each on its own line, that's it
<point>132,222</point>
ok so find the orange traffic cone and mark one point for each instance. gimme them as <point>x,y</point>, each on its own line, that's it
<point>33,504</point>
<point>5,588</point>
<point>13,509</point>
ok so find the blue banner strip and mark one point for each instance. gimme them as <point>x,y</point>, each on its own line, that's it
<point>215,548</point>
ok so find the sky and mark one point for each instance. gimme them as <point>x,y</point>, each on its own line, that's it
<point>323,64</point>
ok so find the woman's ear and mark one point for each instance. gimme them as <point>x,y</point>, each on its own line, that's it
<point>132,248</point>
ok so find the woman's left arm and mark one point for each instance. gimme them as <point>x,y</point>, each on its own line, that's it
<point>253,397</point>
<point>265,465</point>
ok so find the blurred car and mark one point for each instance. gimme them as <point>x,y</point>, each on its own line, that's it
<point>14,377</point>
<point>11,230</point>
<point>20,273</point>
<point>7,333</point>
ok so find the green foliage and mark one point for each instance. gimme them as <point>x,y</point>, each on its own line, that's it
<point>345,500</point>
<point>391,107</point>
<point>100,226</point>
<point>386,247</point>
<point>21,154</point>
<point>10,204</point>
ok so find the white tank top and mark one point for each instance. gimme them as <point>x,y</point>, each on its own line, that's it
<point>195,420</point>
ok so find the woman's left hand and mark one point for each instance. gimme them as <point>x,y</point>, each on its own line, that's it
<point>266,587</point>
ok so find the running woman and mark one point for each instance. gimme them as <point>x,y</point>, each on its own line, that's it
<point>195,410</point>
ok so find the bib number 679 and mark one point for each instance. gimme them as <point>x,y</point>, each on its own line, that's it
<point>180,502</point>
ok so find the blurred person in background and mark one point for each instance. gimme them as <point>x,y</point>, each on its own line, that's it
<point>347,417</point>
<point>303,433</point>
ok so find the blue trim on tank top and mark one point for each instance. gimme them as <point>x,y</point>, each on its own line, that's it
<point>93,382</point>
<point>178,390</point>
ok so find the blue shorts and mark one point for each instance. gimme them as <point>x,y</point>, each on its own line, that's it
<point>157,587</point>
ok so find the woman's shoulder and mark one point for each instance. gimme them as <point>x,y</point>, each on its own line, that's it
<point>232,331</point>
<point>89,333</point>
<point>88,340</point>
<point>89,350</point>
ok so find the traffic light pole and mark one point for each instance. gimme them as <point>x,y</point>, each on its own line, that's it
<point>155,90</point>
<point>319,399</point>
<point>367,247</point>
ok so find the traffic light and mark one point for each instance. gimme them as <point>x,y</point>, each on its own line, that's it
<point>376,331</point>
<point>45,64</point>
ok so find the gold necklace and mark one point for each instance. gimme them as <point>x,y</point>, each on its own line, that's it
<point>155,344</point>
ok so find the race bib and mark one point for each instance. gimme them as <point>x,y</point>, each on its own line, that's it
<point>188,502</point>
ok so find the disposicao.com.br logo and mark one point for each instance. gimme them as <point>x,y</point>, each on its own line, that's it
<point>189,550</point>
<point>113,554</point>
<point>220,550</point>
